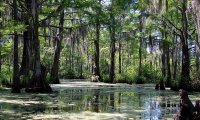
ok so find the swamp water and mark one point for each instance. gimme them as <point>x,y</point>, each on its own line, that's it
<point>82,100</point>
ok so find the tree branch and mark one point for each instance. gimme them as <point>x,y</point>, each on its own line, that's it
<point>59,8</point>
<point>172,24</point>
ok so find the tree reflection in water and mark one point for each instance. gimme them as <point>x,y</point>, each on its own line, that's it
<point>95,100</point>
<point>129,102</point>
<point>112,101</point>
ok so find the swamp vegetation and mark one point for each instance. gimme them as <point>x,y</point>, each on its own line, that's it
<point>51,49</point>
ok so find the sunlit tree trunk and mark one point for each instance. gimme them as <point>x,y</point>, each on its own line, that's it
<point>16,80</point>
<point>55,67</point>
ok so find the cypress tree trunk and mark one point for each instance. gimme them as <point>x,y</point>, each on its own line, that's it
<point>196,15</point>
<point>96,44</point>
<point>26,56</point>
<point>163,57</point>
<point>185,72</point>
<point>37,66</point>
<point>0,46</point>
<point>112,47</point>
<point>58,39</point>
<point>0,58</point>
<point>163,60</point>
<point>16,80</point>
<point>38,82</point>
<point>168,81</point>
<point>120,58</point>
<point>96,49</point>
<point>197,59</point>
<point>151,49</point>
<point>139,80</point>
<point>175,59</point>
<point>175,66</point>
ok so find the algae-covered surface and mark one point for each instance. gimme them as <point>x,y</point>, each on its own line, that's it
<point>84,100</point>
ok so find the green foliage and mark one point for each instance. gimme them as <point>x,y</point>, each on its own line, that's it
<point>1,87</point>
<point>2,6</point>
<point>6,73</point>
<point>6,48</point>
<point>68,73</point>
<point>104,66</point>
<point>47,57</point>
<point>106,78</point>
<point>126,78</point>
<point>13,26</point>
<point>150,75</point>
<point>134,22</point>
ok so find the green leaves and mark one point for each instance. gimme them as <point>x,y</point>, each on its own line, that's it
<point>11,27</point>
<point>2,6</point>
<point>6,47</point>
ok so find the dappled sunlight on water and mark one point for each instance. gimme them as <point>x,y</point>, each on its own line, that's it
<point>89,101</point>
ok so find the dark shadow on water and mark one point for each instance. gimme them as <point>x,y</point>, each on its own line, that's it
<point>19,110</point>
